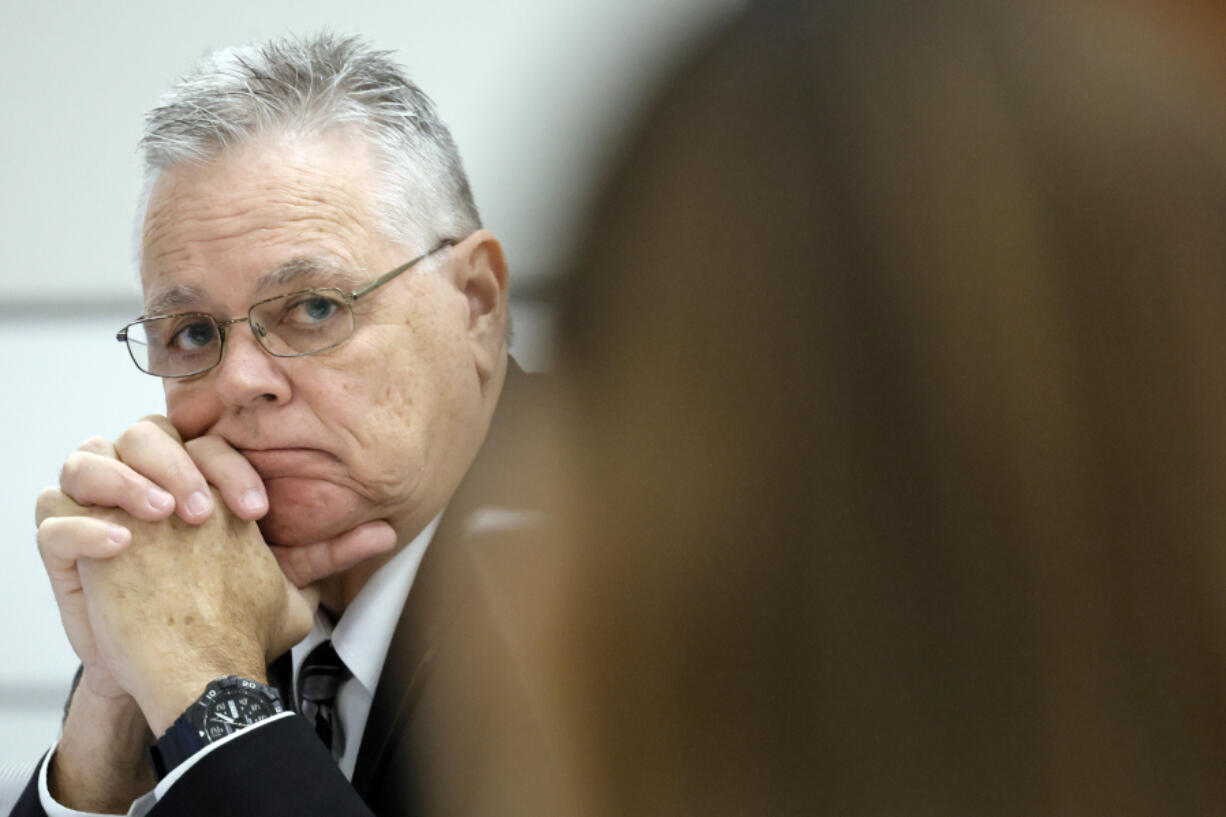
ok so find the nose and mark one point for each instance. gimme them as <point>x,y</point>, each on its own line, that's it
<point>247,374</point>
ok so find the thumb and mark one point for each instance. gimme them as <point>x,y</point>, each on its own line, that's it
<point>299,615</point>
<point>306,564</point>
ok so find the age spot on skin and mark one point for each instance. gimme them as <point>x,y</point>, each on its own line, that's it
<point>170,621</point>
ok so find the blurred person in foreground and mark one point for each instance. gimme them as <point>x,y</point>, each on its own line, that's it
<point>899,435</point>
<point>330,323</point>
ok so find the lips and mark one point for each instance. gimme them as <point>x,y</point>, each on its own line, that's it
<point>272,463</point>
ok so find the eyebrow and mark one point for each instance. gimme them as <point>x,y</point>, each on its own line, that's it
<point>177,296</point>
<point>304,272</point>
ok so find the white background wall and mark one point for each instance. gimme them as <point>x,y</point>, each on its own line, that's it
<point>533,91</point>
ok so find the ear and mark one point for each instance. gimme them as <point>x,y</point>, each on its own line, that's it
<point>479,271</point>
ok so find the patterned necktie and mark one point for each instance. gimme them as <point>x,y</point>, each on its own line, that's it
<point>320,677</point>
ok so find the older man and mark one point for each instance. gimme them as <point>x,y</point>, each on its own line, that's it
<point>330,323</point>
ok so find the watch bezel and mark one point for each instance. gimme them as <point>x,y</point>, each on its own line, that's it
<point>189,733</point>
<point>228,688</point>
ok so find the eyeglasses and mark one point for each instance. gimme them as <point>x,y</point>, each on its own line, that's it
<point>300,323</point>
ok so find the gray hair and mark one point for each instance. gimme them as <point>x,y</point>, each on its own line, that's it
<point>316,84</point>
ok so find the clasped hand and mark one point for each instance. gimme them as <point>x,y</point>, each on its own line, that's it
<point>164,581</point>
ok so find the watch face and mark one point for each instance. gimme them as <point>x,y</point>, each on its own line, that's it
<point>226,709</point>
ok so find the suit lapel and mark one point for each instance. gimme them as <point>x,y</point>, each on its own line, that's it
<point>443,587</point>
<point>438,594</point>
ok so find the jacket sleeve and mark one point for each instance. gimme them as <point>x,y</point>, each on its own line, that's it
<point>279,770</point>
<point>28,804</point>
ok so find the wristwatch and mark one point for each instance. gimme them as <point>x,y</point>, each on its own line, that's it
<point>227,705</point>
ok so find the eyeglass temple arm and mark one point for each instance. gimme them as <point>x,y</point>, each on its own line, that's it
<point>387,276</point>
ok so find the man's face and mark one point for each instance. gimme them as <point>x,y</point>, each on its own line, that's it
<point>383,426</point>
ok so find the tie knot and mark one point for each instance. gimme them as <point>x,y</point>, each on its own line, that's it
<point>321,675</point>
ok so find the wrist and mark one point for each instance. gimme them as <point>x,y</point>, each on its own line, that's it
<point>227,705</point>
<point>164,701</point>
<point>99,765</point>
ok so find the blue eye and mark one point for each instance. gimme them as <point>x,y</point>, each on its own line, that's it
<point>194,336</point>
<point>310,310</point>
<point>318,308</point>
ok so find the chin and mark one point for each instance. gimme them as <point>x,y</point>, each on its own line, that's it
<point>303,512</point>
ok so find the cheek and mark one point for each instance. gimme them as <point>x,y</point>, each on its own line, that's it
<point>392,412</point>
<point>382,381</point>
<point>388,419</point>
<point>362,398</point>
<point>190,408</point>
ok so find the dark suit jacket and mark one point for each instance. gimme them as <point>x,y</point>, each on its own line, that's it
<point>425,747</point>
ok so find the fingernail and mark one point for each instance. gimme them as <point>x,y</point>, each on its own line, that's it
<point>118,535</point>
<point>198,504</point>
<point>160,501</point>
<point>252,500</point>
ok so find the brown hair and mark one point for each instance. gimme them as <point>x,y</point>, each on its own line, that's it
<point>897,346</point>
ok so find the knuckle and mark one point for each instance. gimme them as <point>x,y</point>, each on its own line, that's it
<point>46,504</point>
<point>144,433</point>
<point>70,471</point>
<point>52,537</point>
<point>154,453</point>
<point>96,444</point>
<point>126,440</point>
<point>139,433</point>
<point>163,425</point>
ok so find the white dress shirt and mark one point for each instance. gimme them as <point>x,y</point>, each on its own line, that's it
<point>361,638</point>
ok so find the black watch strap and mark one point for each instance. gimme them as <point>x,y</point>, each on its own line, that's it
<point>208,719</point>
<point>181,741</point>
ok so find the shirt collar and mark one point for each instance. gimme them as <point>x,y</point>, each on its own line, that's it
<point>364,632</point>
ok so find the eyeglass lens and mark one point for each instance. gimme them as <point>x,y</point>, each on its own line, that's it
<point>300,323</point>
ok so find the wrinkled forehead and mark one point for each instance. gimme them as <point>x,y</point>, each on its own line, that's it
<point>267,215</point>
